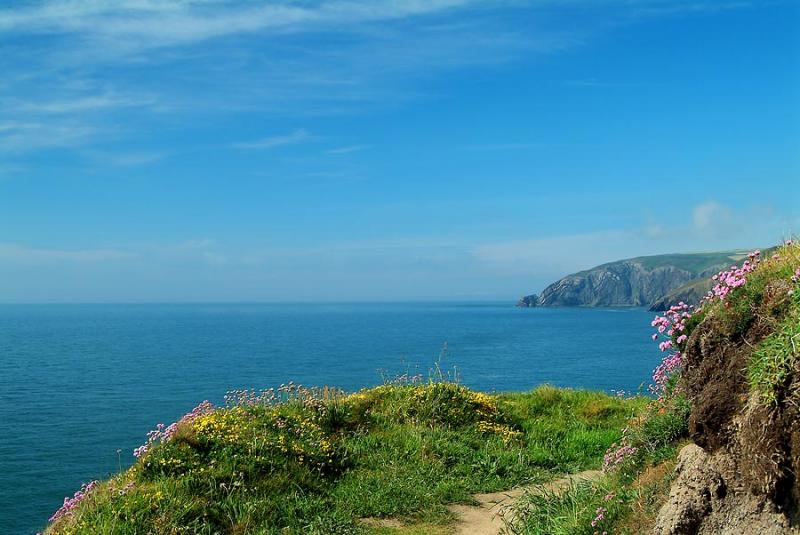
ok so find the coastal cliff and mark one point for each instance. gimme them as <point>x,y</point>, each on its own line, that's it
<point>740,361</point>
<point>652,281</point>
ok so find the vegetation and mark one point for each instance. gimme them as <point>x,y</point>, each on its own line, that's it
<point>760,297</point>
<point>321,461</point>
<point>317,461</point>
<point>693,262</point>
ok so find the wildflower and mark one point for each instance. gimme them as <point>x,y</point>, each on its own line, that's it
<point>601,514</point>
<point>70,504</point>
<point>164,433</point>
<point>617,455</point>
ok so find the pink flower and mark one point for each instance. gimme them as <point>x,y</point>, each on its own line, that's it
<point>70,504</point>
<point>164,433</point>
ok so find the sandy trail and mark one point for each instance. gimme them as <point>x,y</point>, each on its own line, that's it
<point>487,517</point>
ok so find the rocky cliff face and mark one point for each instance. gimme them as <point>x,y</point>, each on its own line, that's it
<point>643,281</point>
<point>691,292</point>
<point>741,473</point>
<point>623,283</point>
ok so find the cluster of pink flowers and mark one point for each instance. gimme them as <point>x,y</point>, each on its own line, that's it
<point>670,326</point>
<point>163,433</point>
<point>672,322</point>
<point>126,489</point>
<point>796,276</point>
<point>617,455</point>
<point>71,503</point>
<point>732,278</point>
<point>669,364</point>
<point>601,514</point>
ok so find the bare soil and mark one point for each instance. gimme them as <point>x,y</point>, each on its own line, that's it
<point>494,509</point>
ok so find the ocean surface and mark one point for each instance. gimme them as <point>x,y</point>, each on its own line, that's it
<point>80,385</point>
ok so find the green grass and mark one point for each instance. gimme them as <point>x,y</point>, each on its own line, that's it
<point>775,360</point>
<point>632,493</point>
<point>318,465</point>
<point>765,297</point>
<point>621,492</point>
<point>693,262</point>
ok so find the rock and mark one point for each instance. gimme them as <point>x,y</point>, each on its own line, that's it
<point>528,301</point>
<point>690,496</point>
<point>705,500</point>
<point>691,292</point>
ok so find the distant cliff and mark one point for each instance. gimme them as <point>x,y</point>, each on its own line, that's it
<point>652,281</point>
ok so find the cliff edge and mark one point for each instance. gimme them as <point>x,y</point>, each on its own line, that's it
<point>741,375</point>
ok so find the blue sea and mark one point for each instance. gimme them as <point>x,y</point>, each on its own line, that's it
<point>80,385</point>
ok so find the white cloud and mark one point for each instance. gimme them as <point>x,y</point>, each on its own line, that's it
<point>80,104</point>
<point>20,136</point>
<point>297,136</point>
<point>708,226</point>
<point>148,24</point>
<point>711,218</point>
<point>348,149</point>
<point>504,146</point>
<point>11,252</point>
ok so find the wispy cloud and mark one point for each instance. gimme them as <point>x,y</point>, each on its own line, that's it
<point>297,136</point>
<point>124,158</point>
<point>711,218</point>
<point>145,23</point>
<point>660,8</point>
<point>11,252</point>
<point>348,149</point>
<point>605,84</point>
<point>706,226</point>
<point>16,136</point>
<point>503,146</point>
<point>108,58</point>
<point>79,104</point>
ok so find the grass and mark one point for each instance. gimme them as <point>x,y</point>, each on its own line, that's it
<point>319,464</point>
<point>774,361</point>
<point>630,495</point>
<point>319,461</point>
<point>626,498</point>
<point>694,262</point>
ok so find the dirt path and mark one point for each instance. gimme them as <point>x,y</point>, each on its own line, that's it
<point>487,518</point>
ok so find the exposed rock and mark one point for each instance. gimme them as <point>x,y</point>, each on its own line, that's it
<point>740,476</point>
<point>705,500</point>
<point>691,292</point>
<point>528,301</point>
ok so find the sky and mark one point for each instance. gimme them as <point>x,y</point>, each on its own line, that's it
<point>369,150</point>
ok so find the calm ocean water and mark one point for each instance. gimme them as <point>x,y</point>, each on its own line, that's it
<point>79,382</point>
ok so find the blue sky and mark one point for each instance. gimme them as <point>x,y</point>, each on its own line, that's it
<point>207,150</point>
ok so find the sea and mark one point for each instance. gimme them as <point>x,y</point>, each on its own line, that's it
<point>81,385</point>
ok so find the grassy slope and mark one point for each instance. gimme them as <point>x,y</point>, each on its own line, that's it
<point>692,262</point>
<point>631,495</point>
<point>317,464</point>
<point>695,262</point>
